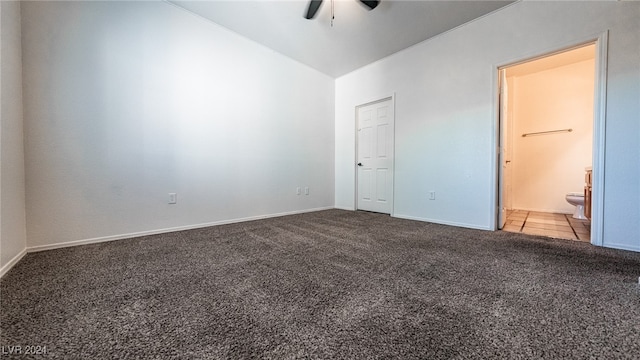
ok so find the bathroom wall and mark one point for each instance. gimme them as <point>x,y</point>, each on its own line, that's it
<point>546,167</point>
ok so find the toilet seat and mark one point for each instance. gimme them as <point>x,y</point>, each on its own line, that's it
<point>575,194</point>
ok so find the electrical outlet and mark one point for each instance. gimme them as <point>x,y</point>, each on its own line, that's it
<point>298,192</point>
<point>306,190</point>
<point>432,195</point>
<point>173,198</point>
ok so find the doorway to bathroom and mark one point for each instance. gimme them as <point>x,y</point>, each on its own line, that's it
<point>546,143</point>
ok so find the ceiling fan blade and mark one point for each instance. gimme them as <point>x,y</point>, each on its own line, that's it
<point>314,5</point>
<point>370,4</point>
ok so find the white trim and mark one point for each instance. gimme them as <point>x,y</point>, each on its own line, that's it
<point>599,120</point>
<point>345,208</point>
<point>5,269</point>
<point>166,230</point>
<point>438,221</point>
<point>494,205</point>
<point>599,117</point>
<point>393,174</point>
<point>623,247</point>
<point>554,50</point>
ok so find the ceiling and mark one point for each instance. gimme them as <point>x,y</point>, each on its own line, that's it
<point>357,37</point>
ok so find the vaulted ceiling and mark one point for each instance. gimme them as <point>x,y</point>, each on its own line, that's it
<point>356,37</point>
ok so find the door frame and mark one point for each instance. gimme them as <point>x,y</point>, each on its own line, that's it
<point>504,137</point>
<point>599,119</point>
<point>391,97</point>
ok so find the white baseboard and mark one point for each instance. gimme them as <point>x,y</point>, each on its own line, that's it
<point>5,269</point>
<point>344,208</point>
<point>621,246</point>
<point>19,257</point>
<point>435,221</point>
<point>166,230</point>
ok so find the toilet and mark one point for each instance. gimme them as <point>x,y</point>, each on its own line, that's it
<point>577,199</point>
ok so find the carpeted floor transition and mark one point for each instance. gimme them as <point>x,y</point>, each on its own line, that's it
<point>329,284</point>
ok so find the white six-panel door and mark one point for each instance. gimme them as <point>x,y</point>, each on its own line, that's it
<point>375,156</point>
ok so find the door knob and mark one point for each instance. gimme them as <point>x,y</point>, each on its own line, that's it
<point>359,164</point>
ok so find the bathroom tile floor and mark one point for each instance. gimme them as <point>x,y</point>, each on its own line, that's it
<point>559,226</point>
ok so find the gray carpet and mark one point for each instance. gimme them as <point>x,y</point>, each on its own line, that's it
<point>330,284</point>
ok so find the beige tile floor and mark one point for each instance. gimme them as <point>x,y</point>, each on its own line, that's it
<point>560,226</point>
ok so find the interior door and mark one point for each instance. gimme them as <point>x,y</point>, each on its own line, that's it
<point>375,156</point>
<point>505,152</point>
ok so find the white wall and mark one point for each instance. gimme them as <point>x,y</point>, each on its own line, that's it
<point>547,167</point>
<point>126,102</point>
<point>446,112</point>
<point>12,192</point>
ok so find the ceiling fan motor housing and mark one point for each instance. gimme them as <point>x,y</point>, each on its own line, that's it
<point>314,5</point>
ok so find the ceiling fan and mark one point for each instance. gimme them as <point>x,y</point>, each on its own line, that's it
<point>314,5</point>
